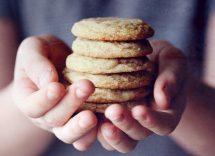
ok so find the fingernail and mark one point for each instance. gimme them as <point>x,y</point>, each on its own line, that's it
<point>80,93</point>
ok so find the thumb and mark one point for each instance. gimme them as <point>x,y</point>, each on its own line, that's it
<point>165,89</point>
<point>33,63</point>
<point>171,75</point>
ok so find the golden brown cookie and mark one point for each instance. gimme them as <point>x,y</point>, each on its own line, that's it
<point>100,107</point>
<point>101,95</point>
<point>112,29</point>
<point>103,66</point>
<point>112,81</point>
<point>104,49</point>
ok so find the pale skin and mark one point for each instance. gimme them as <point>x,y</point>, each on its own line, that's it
<point>46,102</point>
<point>36,81</point>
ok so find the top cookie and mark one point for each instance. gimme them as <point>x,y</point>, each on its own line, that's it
<point>112,29</point>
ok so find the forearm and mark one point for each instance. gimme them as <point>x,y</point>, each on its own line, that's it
<point>18,135</point>
<point>196,130</point>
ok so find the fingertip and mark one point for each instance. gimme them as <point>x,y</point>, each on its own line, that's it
<point>114,112</point>
<point>87,119</point>
<point>144,116</point>
<point>84,88</point>
<point>86,85</point>
<point>139,112</point>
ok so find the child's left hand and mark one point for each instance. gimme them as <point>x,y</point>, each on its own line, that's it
<point>126,128</point>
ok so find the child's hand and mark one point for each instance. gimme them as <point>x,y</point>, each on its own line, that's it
<point>162,117</point>
<point>44,100</point>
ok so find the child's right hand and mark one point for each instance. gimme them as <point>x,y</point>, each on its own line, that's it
<point>44,100</point>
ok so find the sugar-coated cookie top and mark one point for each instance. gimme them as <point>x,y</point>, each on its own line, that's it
<point>112,29</point>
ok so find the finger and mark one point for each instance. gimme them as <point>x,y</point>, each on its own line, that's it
<point>72,101</point>
<point>86,141</point>
<point>76,127</point>
<point>102,140</point>
<point>32,62</point>
<point>117,139</point>
<point>171,63</point>
<point>122,119</point>
<point>161,123</point>
<point>35,103</point>
<point>59,51</point>
<point>165,49</point>
<point>165,88</point>
<point>35,57</point>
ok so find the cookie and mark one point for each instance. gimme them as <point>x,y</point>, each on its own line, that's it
<point>103,49</point>
<point>112,29</point>
<point>103,66</point>
<point>112,81</point>
<point>101,95</point>
<point>100,107</point>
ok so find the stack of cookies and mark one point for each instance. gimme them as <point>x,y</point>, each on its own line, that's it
<point>111,52</point>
